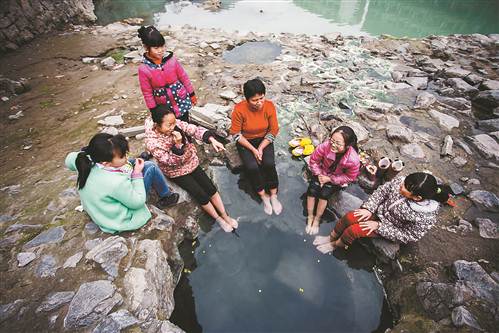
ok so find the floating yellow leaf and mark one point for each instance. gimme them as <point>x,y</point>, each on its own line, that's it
<point>301,290</point>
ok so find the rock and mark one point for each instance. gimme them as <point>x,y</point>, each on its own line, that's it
<point>12,189</point>
<point>12,86</point>
<point>110,130</point>
<point>215,46</point>
<point>458,103</point>
<point>108,63</point>
<point>47,267</point>
<point>160,326</point>
<point>16,116</point>
<point>477,280</point>
<point>462,87</point>
<point>232,155</point>
<point>92,302</point>
<point>160,221</point>
<point>445,121</point>
<point>487,228</point>
<point>424,100</point>
<point>464,226</point>
<point>419,83</point>
<point>459,161</point>
<point>149,290</point>
<point>116,322</point>
<point>455,72</point>
<point>399,133</point>
<point>383,249</point>
<point>210,114</point>
<point>456,189</point>
<point>89,60</point>
<point>228,94</point>
<point>9,310</point>
<point>55,300</point>
<point>91,228</point>
<point>412,150</point>
<point>22,227</point>
<point>485,200</point>
<point>489,85</point>
<point>109,254</point>
<point>360,131</point>
<point>112,121</point>
<point>486,145</point>
<point>24,258</point>
<point>489,125</point>
<point>134,21</point>
<point>342,202</point>
<point>51,236</point>
<point>6,218</point>
<point>447,146</point>
<point>487,100</point>
<point>465,147</point>
<point>473,181</point>
<point>473,79</point>
<point>462,317</point>
<point>437,298</point>
<point>72,261</point>
<point>90,244</point>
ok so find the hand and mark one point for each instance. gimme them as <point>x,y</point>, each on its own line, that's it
<point>369,226</point>
<point>362,214</point>
<point>218,146</point>
<point>139,166</point>
<point>194,100</point>
<point>177,137</point>
<point>324,179</point>
<point>258,156</point>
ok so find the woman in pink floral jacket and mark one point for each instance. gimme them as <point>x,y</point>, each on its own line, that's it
<point>162,78</point>
<point>170,142</point>
<point>334,164</point>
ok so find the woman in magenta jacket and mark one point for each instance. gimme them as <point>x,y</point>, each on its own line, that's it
<point>334,164</point>
<point>162,78</point>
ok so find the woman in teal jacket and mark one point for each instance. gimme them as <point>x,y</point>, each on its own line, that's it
<point>112,189</point>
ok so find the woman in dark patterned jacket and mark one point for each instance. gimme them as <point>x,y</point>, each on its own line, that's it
<point>402,210</point>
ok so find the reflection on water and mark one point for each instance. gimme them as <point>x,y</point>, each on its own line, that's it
<point>413,18</point>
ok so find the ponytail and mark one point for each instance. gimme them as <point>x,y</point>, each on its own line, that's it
<point>150,36</point>
<point>83,165</point>
<point>425,185</point>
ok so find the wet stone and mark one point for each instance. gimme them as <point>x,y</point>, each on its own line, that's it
<point>24,258</point>
<point>47,267</point>
<point>92,302</point>
<point>55,300</point>
<point>72,261</point>
<point>487,228</point>
<point>51,236</point>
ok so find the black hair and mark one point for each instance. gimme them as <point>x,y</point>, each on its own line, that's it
<point>158,115</point>
<point>350,141</point>
<point>253,87</point>
<point>151,37</point>
<point>426,186</point>
<point>101,148</point>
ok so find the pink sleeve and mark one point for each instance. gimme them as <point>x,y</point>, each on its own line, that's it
<point>192,130</point>
<point>349,174</point>
<point>315,160</point>
<point>145,86</point>
<point>183,77</point>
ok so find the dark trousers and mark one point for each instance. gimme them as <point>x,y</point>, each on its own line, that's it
<point>325,192</point>
<point>198,184</point>
<point>264,175</point>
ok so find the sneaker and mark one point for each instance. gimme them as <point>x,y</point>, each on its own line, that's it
<point>168,201</point>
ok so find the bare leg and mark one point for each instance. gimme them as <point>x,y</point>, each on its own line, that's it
<point>321,207</point>
<point>276,204</point>
<point>216,200</point>
<point>267,206</point>
<point>310,213</point>
<point>210,210</point>
<point>329,247</point>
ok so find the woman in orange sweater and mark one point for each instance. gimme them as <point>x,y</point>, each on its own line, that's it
<point>254,127</point>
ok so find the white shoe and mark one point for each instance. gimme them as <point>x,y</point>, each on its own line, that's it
<point>276,204</point>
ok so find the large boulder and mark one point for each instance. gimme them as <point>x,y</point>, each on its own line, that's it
<point>487,100</point>
<point>486,145</point>
<point>109,254</point>
<point>149,288</point>
<point>92,302</point>
<point>445,121</point>
<point>479,282</point>
<point>461,317</point>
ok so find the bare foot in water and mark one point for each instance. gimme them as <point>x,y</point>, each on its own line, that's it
<point>224,225</point>
<point>326,247</point>
<point>267,206</point>
<point>276,204</point>
<point>318,240</point>
<point>232,222</point>
<point>314,229</point>
<point>310,219</point>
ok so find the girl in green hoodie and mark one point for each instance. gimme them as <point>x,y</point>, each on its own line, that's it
<point>112,188</point>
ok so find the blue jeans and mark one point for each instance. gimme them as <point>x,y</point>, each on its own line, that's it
<point>153,177</point>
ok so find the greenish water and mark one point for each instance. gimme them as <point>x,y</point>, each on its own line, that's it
<point>411,18</point>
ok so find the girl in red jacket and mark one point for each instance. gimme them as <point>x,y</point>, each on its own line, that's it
<point>162,78</point>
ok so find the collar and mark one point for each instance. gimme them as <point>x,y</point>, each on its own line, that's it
<point>424,206</point>
<point>148,61</point>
